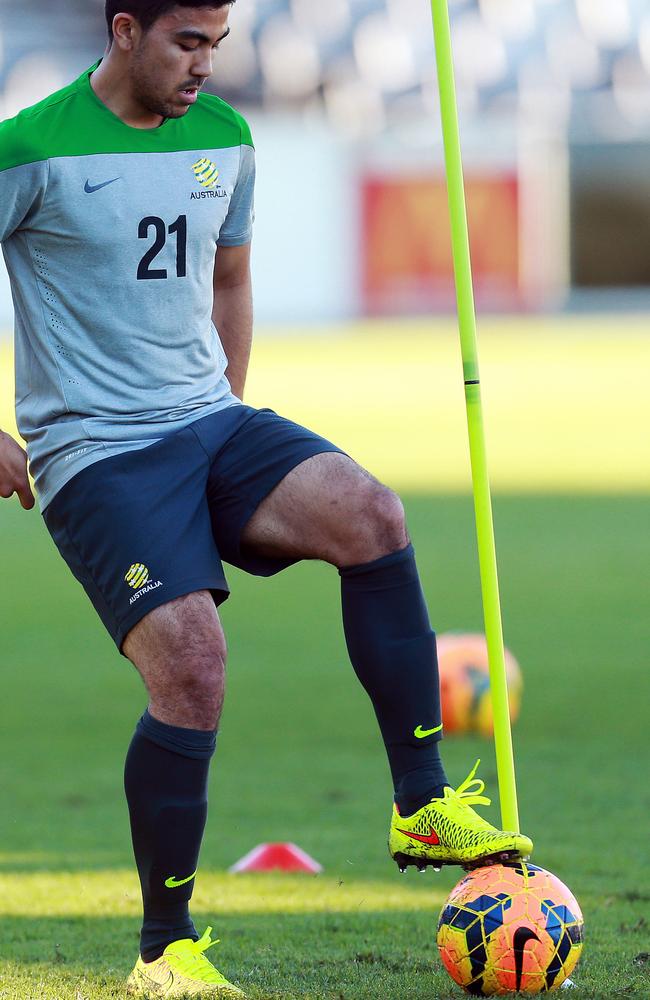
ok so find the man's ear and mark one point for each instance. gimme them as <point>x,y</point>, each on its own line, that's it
<point>126,32</point>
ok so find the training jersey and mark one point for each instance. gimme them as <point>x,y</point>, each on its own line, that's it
<point>109,234</point>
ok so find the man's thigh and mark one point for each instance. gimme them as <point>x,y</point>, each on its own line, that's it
<point>135,530</point>
<point>279,493</point>
<point>328,508</point>
<point>316,505</point>
<point>246,474</point>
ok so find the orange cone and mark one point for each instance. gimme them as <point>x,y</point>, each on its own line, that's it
<point>277,857</point>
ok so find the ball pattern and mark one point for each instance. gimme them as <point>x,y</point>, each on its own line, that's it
<point>509,928</point>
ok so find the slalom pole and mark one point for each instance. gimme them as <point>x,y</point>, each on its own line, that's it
<point>480,479</point>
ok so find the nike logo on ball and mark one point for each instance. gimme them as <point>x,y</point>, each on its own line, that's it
<point>91,188</point>
<point>520,939</point>
<point>420,733</point>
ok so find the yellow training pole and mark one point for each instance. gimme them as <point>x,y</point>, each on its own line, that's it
<point>480,479</point>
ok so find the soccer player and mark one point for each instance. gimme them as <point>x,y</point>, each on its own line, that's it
<point>126,207</point>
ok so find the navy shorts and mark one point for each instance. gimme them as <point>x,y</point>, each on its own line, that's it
<point>146,526</point>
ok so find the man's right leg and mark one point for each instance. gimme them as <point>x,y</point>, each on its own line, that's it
<point>179,649</point>
<point>135,530</point>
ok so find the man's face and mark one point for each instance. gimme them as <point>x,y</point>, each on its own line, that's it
<point>172,61</point>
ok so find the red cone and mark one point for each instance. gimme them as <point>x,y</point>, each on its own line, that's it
<point>277,857</point>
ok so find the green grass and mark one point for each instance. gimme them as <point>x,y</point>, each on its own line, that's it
<point>299,758</point>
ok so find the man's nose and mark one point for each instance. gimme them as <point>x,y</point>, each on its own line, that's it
<point>202,65</point>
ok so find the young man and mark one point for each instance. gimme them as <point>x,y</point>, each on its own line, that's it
<point>125,215</point>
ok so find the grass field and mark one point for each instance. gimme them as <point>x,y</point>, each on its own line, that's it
<point>566,400</point>
<point>575,596</point>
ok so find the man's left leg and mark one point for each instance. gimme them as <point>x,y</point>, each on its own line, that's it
<point>329,508</point>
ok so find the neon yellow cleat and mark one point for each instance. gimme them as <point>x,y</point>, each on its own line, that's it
<point>182,971</point>
<point>448,831</point>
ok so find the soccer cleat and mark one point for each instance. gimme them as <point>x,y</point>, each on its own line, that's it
<point>447,831</point>
<point>182,971</point>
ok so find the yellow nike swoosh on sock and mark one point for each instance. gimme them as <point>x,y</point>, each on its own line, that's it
<point>420,733</point>
<point>172,883</point>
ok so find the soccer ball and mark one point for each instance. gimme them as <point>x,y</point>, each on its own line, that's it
<point>465,684</point>
<point>509,928</point>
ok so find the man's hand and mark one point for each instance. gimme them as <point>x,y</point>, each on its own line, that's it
<point>13,471</point>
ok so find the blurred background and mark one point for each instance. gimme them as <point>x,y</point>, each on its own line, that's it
<point>352,241</point>
<point>555,109</point>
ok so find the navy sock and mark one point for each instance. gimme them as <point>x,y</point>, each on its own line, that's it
<point>393,651</point>
<point>165,780</point>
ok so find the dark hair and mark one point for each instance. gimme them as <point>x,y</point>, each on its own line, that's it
<point>147,12</point>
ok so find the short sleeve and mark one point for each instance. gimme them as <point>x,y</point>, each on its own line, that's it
<point>237,228</point>
<point>21,192</point>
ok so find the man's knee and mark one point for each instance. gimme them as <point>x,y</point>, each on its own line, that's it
<point>379,529</point>
<point>180,651</point>
<point>386,513</point>
<point>196,682</point>
<point>189,690</point>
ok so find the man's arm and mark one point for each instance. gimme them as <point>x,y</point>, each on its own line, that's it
<point>13,471</point>
<point>232,312</point>
<point>23,181</point>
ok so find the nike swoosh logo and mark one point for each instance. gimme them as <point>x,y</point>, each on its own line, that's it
<point>420,733</point>
<point>431,839</point>
<point>91,188</point>
<point>520,939</point>
<point>148,981</point>
<point>172,883</point>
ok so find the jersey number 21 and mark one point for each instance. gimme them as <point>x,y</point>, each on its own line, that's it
<point>178,229</point>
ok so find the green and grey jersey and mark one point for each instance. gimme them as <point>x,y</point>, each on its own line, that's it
<point>110,234</point>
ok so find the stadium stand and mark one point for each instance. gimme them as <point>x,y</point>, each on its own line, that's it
<point>367,61</point>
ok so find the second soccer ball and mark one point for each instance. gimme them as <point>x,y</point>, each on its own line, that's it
<point>465,683</point>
